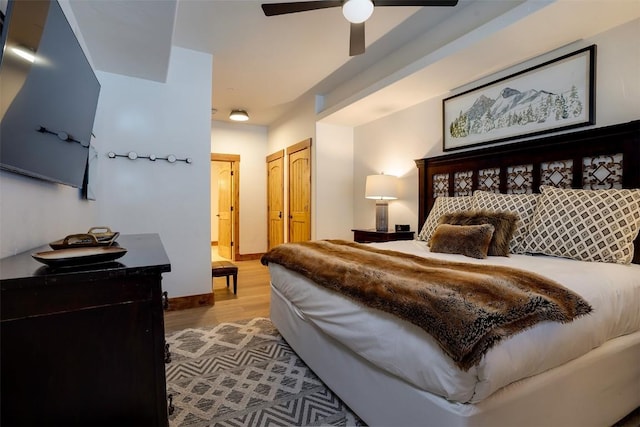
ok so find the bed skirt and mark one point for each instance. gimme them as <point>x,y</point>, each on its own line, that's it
<point>596,389</point>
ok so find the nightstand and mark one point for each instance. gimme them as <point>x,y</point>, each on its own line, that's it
<point>366,236</point>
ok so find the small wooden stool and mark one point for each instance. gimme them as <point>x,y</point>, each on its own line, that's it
<point>225,268</point>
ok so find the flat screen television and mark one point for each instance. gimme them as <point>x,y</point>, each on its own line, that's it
<point>48,105</point>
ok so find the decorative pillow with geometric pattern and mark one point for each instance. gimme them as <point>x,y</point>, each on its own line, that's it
<point>521,204</point>
<point>441,206</point>
<point>587,225</point>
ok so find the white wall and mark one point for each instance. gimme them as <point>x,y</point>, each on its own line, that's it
<point>250,143</point>
<point>333,199</point>
<point>299,124</point>
<point>618,74</point>
<point>392,143</point>
<point>141,196</point>
<point>34,213</point>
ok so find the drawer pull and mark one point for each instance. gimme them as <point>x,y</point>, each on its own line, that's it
<point>170,406</point>
<point>165,300</point>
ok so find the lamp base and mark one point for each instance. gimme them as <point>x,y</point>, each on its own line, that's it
<point>382,215</point>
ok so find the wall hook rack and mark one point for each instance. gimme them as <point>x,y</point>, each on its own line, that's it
<point>132,155</point>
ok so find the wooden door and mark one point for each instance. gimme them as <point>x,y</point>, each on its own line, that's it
<point>275,199</point>
<point>225,207</point>
<point>300,191</point>
<point>232,207</point>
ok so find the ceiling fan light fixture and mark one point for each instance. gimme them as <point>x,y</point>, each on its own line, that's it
<point>357,11</point>
<point>239,116</point>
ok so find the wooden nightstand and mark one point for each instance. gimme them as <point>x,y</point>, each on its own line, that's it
<point>366,236</point>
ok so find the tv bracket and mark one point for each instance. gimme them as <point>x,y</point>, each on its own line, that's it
<point>62,135</point>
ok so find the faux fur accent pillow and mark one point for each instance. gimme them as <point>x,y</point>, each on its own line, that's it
<point>504,224</point>
<point>468,240</point>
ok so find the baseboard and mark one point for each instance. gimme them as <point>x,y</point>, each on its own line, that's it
<point>248,257</point>
<point>191,301</point>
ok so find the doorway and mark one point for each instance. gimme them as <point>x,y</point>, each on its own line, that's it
<point>225,216</point>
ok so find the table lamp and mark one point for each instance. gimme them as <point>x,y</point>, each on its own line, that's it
<point>382,188</point>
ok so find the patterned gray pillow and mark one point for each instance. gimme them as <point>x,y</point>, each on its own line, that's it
<point>521,204</point>
<point>587,225</point>
<point>441,206</point>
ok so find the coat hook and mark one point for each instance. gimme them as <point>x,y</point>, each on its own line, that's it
<point>132,155</point>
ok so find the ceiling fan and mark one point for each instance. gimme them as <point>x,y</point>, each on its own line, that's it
<point>355,11</point>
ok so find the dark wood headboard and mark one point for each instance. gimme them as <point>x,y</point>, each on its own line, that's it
<point>605,157</point>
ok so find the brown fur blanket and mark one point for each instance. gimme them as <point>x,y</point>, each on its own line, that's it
<point>466,307</point>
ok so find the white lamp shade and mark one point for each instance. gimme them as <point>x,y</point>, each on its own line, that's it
<point>357,11</point>
<point>381,187</point>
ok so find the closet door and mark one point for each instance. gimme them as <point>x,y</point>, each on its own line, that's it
<point>300,191</point>
<point>275,199</point>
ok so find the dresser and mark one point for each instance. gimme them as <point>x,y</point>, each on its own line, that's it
<point>85,345</point>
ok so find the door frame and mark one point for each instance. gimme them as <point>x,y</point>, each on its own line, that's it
<point>234,159</point>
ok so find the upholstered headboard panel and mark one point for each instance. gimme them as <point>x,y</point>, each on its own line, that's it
<point>600,158</point>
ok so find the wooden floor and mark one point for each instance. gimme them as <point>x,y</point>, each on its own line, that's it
<point>251,301</point>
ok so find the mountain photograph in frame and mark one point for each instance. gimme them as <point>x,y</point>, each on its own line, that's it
<point>549,97</point>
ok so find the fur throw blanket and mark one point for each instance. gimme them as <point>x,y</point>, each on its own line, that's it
<point>467,308</point>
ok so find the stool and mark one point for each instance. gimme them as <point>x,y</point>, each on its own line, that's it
<point>225,268</point>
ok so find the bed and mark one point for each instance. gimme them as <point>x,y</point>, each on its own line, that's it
<point>583,372</point>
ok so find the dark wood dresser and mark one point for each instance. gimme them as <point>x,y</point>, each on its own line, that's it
<point>85,345</point>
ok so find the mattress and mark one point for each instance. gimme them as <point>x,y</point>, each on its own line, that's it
<point>408,352</point>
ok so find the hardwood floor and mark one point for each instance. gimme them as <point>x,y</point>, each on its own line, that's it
<point>251,301</point>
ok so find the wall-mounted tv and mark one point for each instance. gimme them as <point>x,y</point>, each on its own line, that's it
<point>49,100</point>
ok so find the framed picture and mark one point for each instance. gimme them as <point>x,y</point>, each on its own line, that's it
<point>556,95</point>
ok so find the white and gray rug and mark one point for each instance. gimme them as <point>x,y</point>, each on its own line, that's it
<point>245,374</point>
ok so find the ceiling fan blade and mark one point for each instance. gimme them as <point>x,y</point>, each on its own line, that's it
<point>356,41</point>
<point>271,9</point>
<point>415,2</point>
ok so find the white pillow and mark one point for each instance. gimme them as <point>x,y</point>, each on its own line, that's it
<point>587,225</point>
<point>441,206</point>
<point>523,205</point>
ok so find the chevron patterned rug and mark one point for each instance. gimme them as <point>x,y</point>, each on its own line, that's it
<point>245,374</point>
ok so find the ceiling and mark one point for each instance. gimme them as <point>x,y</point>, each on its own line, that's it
<point>266,65</point>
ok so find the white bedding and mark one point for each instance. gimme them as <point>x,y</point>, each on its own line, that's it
<point>408,352</point>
